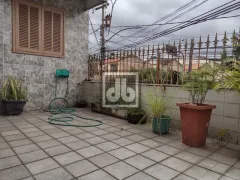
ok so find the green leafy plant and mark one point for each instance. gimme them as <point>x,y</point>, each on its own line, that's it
<point>157,104</point>
<point>230,78</point>
<point>199,82</point>
<point>135,111</point>
<point>13,90</point>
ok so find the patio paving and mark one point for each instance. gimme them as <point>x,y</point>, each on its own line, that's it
<point>33,149</point>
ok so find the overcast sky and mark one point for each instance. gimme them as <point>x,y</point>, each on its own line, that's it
<point>138,12</point>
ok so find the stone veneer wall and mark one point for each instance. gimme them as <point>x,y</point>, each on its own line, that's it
<point>37,72</point>
<point>225,116</point>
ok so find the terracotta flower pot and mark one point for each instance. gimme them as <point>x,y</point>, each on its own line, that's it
<point>195,122</point>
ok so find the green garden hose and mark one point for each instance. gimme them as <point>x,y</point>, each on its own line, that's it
<point>63,116</point>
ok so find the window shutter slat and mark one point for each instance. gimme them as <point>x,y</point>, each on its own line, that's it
<point>47,30</point>
<point>56,33</point>
<point>34,28</point>
<point>23,26</point>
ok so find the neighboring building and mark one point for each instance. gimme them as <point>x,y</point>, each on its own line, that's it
<point>37,37</point>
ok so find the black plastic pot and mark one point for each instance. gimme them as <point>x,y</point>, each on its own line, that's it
<point>13,107</point>
<point>81,104</point>
<point>134,119</point>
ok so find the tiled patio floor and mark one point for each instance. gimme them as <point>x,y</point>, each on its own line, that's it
<point>31,148</point>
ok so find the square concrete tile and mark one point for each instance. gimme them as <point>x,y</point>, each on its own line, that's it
<point>103,160</point>
<point>26,148</point>
<point>89,151</point>
<point>237,165</point>
<point>123,133</point>
<point>26,130</point>
<point>9,162</point>
<point>179,145</point>
<point>68,158</point>
<point>122,153</point>
<point>199,151</point>
<point>76,131</point>
<point>189,157</point>
<point>85,135</point>
<point>140,176</point>
<point>162,139</point>
<point>110,136</point>
<point>95,140</point>
<point>41,138</point>
<point>35,133</point>
<point>225,178</point>
<point>55,174</point>
<point>120,170</point>
<point>176,164</point>
<point>138,148</point>
<point>99,132</point>
<point>196,172</point>
<point>56,150</point>
<point>33,156</point>
<point>29,178</point>
<point>139,162</point>
<point>135,130</point>
<point>113,129</point>
<point>14,137</point>
<point>9,133</point>
<point>59,134</point>
<point>183,177</point>
<point>6,153</point>
<point>155,155</point>
<point>20,142</point>
<point>49,143</point>
<point>52,131</point>
<point>107,146</point>
<point>161,172</point>
<point>233,173</point>
<point>68,139</point>
<point>168,149</point>
<point>78,144</point>
<point>123,141</point>
<point>150,143</point>
<point>14,173</point>
<point>99,174</point>
<point>81,167</point>
<point>136,138</point>
<point>148,134</point>
<point>42,165</point>
<point>211,176</point>
<point>223,159</point>
<point>214,166</point>
<point>3,145</point>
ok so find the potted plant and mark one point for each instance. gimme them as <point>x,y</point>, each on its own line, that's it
<point>135,115</point>
<point>14,96</point>
<point>195,116</point>
<point>156,107</point>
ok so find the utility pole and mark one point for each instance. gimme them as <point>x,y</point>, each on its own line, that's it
<point>102,34</point>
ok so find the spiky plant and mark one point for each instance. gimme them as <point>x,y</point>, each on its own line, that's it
<point>13,90</point>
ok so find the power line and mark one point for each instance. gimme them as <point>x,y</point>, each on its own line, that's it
<point>198,19</point>
<point>94,32</point>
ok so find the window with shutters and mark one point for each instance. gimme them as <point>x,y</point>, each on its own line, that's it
<point>37,29</point>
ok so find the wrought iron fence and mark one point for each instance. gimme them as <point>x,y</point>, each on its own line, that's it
<point>167,63</point>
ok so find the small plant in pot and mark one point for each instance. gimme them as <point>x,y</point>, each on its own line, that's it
<point>14,96</point>
<point>156,107</point>
<point>135,115</point>
<point>195,116</point>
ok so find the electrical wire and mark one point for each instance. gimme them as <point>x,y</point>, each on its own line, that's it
<point>94,32</point>
<point>198,19</point>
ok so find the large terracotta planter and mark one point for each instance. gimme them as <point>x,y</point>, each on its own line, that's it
<point>194,123</point>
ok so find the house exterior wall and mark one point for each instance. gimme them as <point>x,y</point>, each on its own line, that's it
<point>38,72</point>
<point>225,116</point>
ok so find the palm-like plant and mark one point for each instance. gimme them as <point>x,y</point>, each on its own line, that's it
<point>13,90</point>
<point>230,78</point>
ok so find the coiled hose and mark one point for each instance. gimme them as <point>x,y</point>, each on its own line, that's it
<point>63,116</point>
